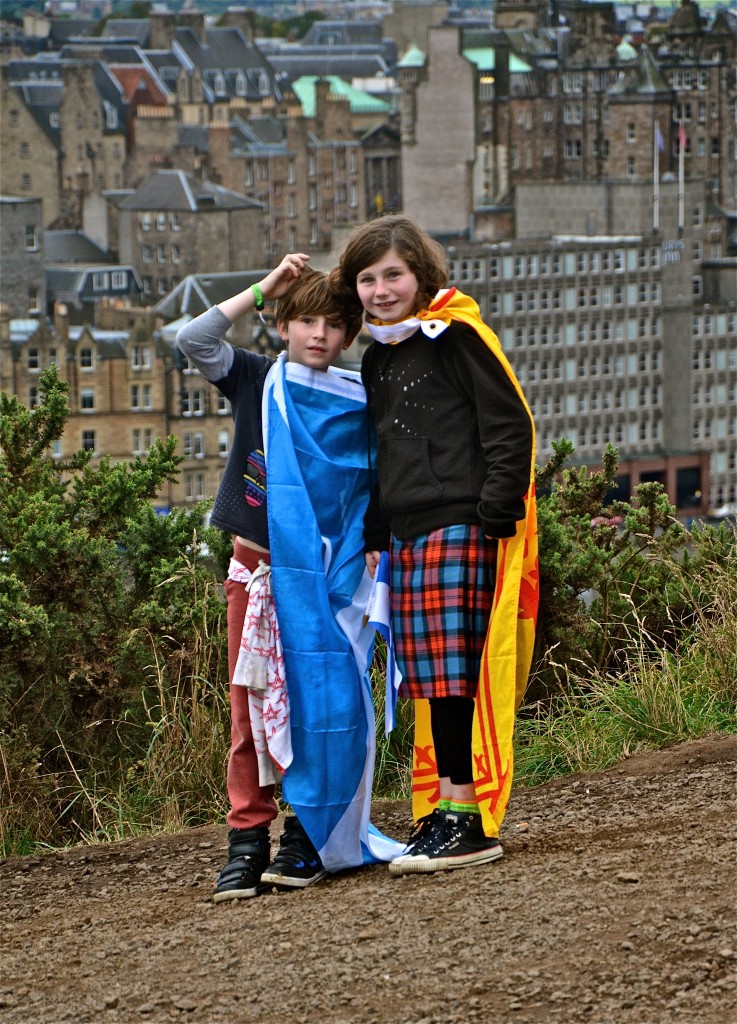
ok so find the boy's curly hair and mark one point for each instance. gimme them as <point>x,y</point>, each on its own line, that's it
<point>314,292</point>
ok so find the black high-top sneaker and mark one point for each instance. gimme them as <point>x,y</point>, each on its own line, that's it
<point>459,842</point>
<point>248,854</point>
<point>297,863</point>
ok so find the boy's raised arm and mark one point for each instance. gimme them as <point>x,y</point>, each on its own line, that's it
<point>273,286</point>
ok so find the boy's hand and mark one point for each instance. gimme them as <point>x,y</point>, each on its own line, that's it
<point>281,278</point>
<point>372,560</point>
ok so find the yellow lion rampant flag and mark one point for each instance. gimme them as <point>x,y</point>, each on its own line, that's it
<point>510,639</point>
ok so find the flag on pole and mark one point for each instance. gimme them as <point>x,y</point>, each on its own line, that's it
<point>659,140</point>
<point>682,137</point>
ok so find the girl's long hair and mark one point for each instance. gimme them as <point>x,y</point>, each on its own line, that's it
<point>422,254</point>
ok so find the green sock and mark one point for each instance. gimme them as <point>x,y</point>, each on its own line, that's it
<point>443,805</point>
<point>458,808</point>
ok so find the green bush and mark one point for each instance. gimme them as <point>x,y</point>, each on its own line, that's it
<point>103,603</point>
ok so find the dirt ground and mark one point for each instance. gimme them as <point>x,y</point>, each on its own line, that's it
<point>614,904</point>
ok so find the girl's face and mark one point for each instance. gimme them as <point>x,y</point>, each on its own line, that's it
<point>388,288</point>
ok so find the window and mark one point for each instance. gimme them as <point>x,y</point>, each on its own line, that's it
<point>88,441</point>
<point>193,446</point>
<point>223,442</point>
<point>33,300</point>
<point>141,397</point>
<point>194,486</point>
<point>631,132</point>
<point>193,402</point>
<point>141,357</point>
<point>31,238</point>
<point>25,183</point>
<point>100,281</point>
<point>87,399</point>
<point>223,405</point>
<point>142,439</point>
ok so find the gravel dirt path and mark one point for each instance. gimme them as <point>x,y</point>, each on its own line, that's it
<point>614,904</point>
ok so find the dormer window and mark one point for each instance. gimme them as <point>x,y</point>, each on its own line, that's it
<point>240,84</point>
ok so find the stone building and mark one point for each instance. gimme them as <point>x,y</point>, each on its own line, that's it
<point>175,222</point>
<point>30,162</point>
<point>22,282</point>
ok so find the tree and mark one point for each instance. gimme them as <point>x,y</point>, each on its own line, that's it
<point>95,589</point>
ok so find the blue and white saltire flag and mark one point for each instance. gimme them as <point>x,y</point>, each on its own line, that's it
<point>317,444</point>
<point>378,615</point>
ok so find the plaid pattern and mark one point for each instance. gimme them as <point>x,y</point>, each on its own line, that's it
<point>441,593</point>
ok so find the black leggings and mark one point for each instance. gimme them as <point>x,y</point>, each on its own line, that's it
<point>451,721</point>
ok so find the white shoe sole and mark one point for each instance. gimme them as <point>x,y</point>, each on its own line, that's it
<point>426,865</point>
<point>287,882</point>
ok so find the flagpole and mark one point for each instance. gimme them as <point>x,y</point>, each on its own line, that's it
<point>681,158</point>
<point>656,181</point>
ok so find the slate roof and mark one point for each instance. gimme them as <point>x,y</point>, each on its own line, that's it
<point>109,344</point>
<point>43,99</point>
<point>70,283</point>
<point>72,247</point>
<point>193,136</point>
<point>63,29</point>
<point>198,292</point>
<point>137,29</point>
<point>257,135</point>
<point>226,52</point>
<point>643,77</point>
<point>327,33</point>
<point>178,190</point>
<point>348,64</point>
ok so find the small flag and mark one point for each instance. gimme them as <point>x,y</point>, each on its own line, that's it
<point>682,137</point>
<point>660,142</point>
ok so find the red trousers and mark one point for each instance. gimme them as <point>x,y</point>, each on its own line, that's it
<point>250,803</point>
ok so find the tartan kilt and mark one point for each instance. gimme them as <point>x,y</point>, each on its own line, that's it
<point>442,586</point>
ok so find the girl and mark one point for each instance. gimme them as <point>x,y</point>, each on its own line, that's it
<point>455,506</point>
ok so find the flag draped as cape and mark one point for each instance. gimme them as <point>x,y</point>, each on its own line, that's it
<point>317,444</point>
<point>507,654</point>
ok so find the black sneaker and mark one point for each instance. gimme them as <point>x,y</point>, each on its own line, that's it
<point>297,863</point>
<point>423,829</point>
<point>458,841</point>
<point>248,855</point>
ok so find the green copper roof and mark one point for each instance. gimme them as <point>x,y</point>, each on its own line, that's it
<point>412,58</point>
<point>484,59</point>
<point>626,51</point>
<point>361,102</point>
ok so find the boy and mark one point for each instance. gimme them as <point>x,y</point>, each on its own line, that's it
<point>276,407</point>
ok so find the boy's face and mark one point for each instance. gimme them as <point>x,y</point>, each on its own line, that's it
<point>313,339</point>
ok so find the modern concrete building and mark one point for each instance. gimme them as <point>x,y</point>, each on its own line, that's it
<point>604,319</point>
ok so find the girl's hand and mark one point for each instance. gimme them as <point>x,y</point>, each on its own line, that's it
<point>372,560</point>
<point>281,278</point>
